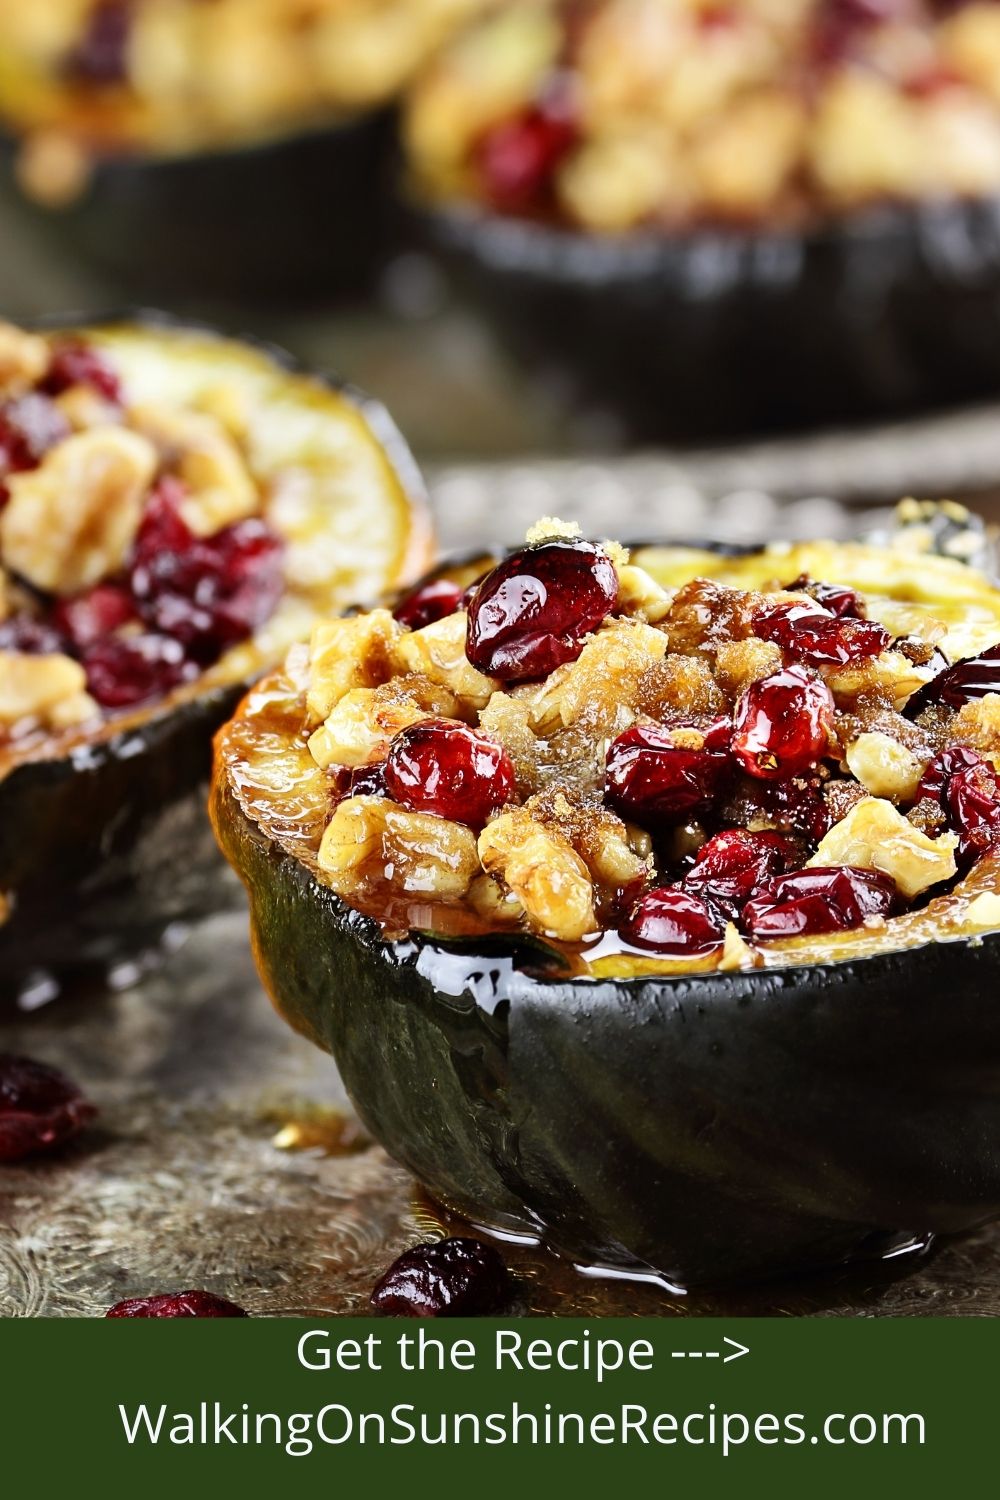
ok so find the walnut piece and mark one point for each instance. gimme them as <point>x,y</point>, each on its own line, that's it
<point>885,767</point>
<point>24,360</point>
<point>345,654</point>
<point>366,721</point>
<point>600,689</point>
<point>543,870</point>
<point>50,689</point>
<point>876,836</point>
<point>200,451</point>
<point>437,652</point>
<point>70,522</point>
<point>373,839</point>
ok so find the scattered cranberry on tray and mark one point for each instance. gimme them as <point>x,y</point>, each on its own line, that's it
<point>782,724</point>
<point>808,903</point>
<point>40,1109</point>
<point>442,767</point>
<point>675,922</point>
<point>531,614</point>
<point>660,775</point>
<point>453,1278</point>
<point>177,1305</point>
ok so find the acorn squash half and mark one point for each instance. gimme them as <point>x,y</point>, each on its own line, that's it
<point>104,844</point>
<point>840,1100</point>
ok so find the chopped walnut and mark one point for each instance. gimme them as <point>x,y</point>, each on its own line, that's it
<point>641,596</point>
<point>200,451</point>
<point>350,653</point>
<point>885,767</point>
<point>602,687</point>
<point>491,901</point>
<point>599,836</point>
<point>739,663</point>
<point>977,724</point>
<point>680,685</point>
<point>83,408</point>
<point>24,360</point>
<point>890,678</point>
<point>876,836</point>
<point>437,652</point>
<point>70,522</point>
<point>50,689</point>
<point>373,839</point>
<point>362,726</point>
<point>541,868</point>
<point>704,614</point>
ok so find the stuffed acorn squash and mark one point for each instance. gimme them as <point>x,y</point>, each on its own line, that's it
<point>175,509</point>
<point>649,902</point>
<point>718,217</point>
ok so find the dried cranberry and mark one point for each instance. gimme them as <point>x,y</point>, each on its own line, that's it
<point>29,634</point>
<point>100,57</point>
<point>733,865</point>
<point>675,922</point>
<point>972,677</point>
<point>39,1108</point>
<point>782,724</point>
<point>206,592</point>
<point>517,159</point>
<point>442,767</point>
<point>177,1305</point>
<point>452,1278</point>
<point>89,617</point>
<point>360,781</point>
<point>531,613</point>
<point>838,23</point>
<point>129,669</point>
<point>807,903</point>
<point>653,776</point>
<point>841,601</point>
<point>74,363</point>
<point>972,801</point>
<point>819,639</point>
<point>432,601</point>
<point>940,770</point>
<point>29,427</point>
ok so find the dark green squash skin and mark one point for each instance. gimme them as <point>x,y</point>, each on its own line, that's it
<point>723,334</point>
<point>302,216</point>
<point>709,1127</point>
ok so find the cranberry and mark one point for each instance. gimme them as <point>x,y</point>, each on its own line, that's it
<point>807,903</point>
<point>940,770</point>
<point>100,57</point>
<point>75,363</point>
<point>442,767</point>
<point>362,781</point>
<point>972,801</point>
<point>29,427</point>
<point>435,600</point>
<point>653,778</point>
<point>177,1305</point>
<point>451,1278</point>
<point>811,635</point>
<point>841,601</point>
<point>972,677</point>
<point>88,617</point>
<point>782,724</point>
<point>206,592</point>
<point>125,670</point>
<point>839,22</point>
<point>675,922</point>
<point>733,865</point>
<point>39,1108</point>
<point>517,159</point>
<point>531,613</point>
<point>30,635</point>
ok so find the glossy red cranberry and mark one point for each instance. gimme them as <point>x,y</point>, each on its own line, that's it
<point>432,601</point>
<point>129,669</point>
<point>733,865</point>
<point>100,57</point>
<point>517,159</point>
<point>358,781</point>
<point>530,615</point>
<point>841,601</point>
<point>942,768</point>
<point>74,363</point>
<point>453,1278</point>
<point>40,1109</point>
<point>674,922</point>
<point>972,677</point>
<point>819,639</point>
<point>177,1305</point>
<point>29,634</point>
<point>782,723</point>
<point>651,778</point>
<point>442,767</point>
<point>971,799</point>
<point>808,903</point>
<point>206,592</point>
<point>89,617</point>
